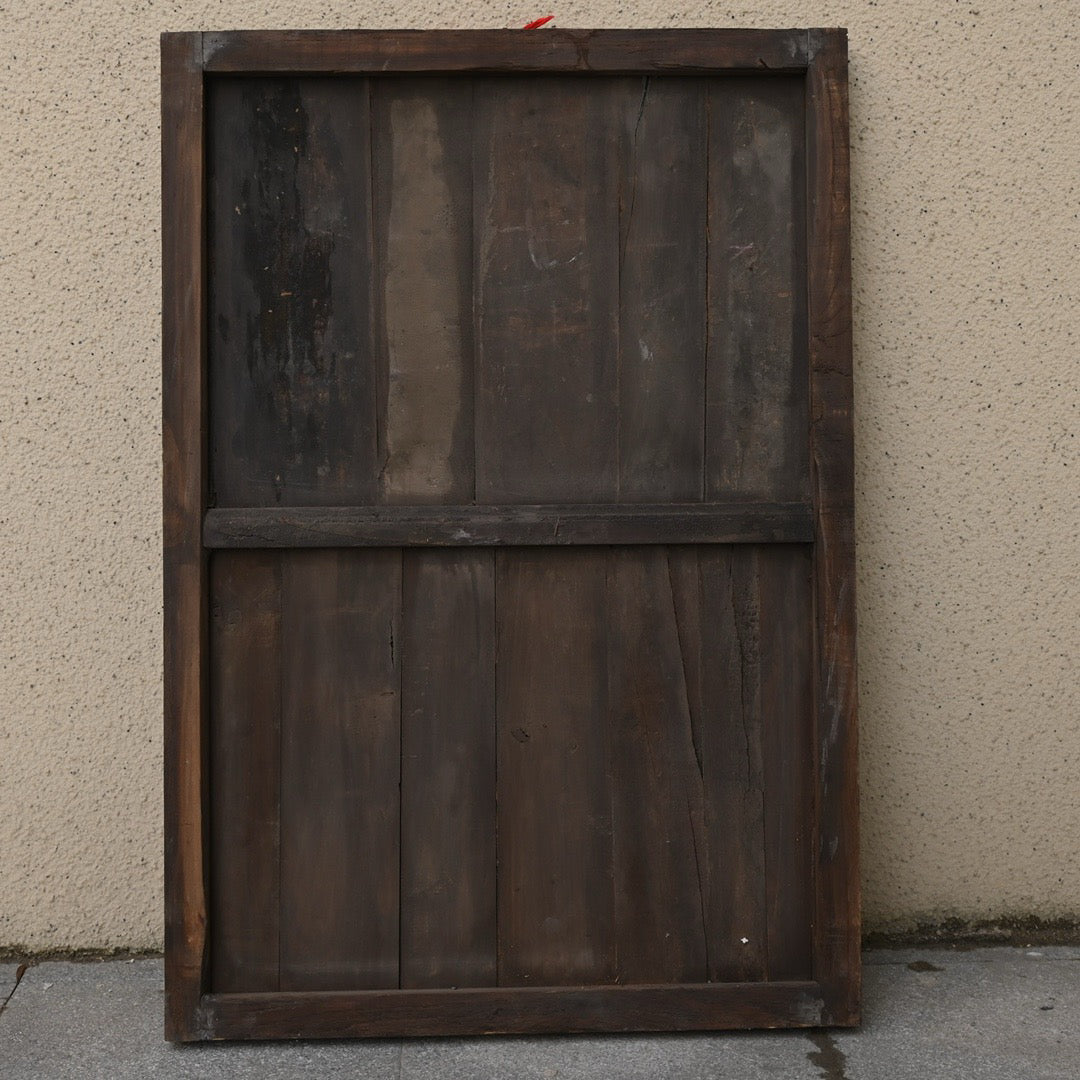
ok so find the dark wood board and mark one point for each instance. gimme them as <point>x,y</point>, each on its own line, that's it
<point>581,298</point>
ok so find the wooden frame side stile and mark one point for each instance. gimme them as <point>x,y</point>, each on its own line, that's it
<point>836,844</point>
<point>833,996</point>
<point>184,501</point>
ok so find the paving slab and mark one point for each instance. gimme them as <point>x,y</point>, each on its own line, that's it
<point>987,1014</point>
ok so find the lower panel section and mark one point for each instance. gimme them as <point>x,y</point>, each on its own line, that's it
<point>523,767</point>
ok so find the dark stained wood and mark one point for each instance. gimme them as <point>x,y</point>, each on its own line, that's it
<point>340,769</point>
<point>422,205</point>
<point>385,51</point>
<point>642,523</point>
<point>836,843</point>
<point>786,601</point>
<point>555,906</point>
<point>184,561</point>
<point>513,1010</point>
<point>658,811</point>
<point>757,417</point>
<point>546,261</point>
<point>718,618</point>
<point>245,773</point>
<point>448,769</point>
<point>662,209</point>
<point>293,418</point>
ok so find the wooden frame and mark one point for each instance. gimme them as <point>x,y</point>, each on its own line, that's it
<point>833,996</point>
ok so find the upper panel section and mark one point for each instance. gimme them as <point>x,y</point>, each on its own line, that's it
<point>506,289</point>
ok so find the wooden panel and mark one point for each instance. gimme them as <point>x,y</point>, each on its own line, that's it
<point>662,291</point>
<point>587,51</point>
<point>757,422</point>
<point>184,576</point>
<point>787,721</point>
<point>448,769</point>
<point>291,375</point>
<point>340,769</point>
<point>423,254</point>
<point>546,251</point>
<point>640,523</point>
<point>658,787</point>
<point>245,732</point>
<point>554,794</point>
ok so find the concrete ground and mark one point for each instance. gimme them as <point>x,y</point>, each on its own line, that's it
<point>985,1014</point>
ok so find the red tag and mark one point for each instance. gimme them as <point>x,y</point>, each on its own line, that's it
<point>537,23</point>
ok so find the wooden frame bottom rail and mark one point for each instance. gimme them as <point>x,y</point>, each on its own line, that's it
<point>516,1011</point>
<point>456,526</point>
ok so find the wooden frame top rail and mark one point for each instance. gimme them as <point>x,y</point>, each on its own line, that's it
<point>456,526</point>
<point>684,51</point>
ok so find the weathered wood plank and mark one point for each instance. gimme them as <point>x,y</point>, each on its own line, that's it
<point>422,169</point>
<point>836,844</point>
<point>448,769</point>
<point>547,319</point>
<point>555,904</point>
<point>658,817</point>
<point>382,51</point>
<point>514,1010</point>
<point>786,603</point>
<point>450,526</point>
<point>663,219</point>
<point>290,341</point>
<point>718,615</point>
<point>757,419</point>
<point>245,770</point>
<point>184,500</point>
<point>340,769</point>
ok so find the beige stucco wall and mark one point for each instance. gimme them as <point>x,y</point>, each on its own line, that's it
<point>966,150</point>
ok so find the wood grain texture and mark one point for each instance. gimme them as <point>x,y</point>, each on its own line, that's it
<point>547,241</point>
<point>662,293</point>
<point>184,562</point>
<point>293,418</point>
<point>836,844</point>
<point>245,770</point>
<point>422,206</point>
<point>757,418</point>
<point>555,904</point>
<point>658,790</point>
<point>340,769</point>
<point>454,526</point>
<point>448,766</point>
<point>678,51</point>
<point>514,1010</point>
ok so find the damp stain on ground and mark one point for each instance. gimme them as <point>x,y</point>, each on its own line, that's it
<point>923,965</point>
<point>828,1058</point>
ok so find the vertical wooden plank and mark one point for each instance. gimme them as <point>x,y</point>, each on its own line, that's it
<point>555,905</point>
<point>422,204</point>
<point>787,722</point>
<point>245,770</point>
<point>546,302</point>
<point>291,368</point>
<point>757,417</point>
<point>718,614</point>
<point>184,498</point>
<point>448,769</point>
<point>836,845</point>
<point>657,786</point>
<point>662,310</point>
<point>340,768</point>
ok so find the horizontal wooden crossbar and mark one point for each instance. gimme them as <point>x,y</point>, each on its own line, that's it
<point>485,526</point>
<point>673,51</point>
<point>516,1010</point>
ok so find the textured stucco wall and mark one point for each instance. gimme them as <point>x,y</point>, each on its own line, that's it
<point>966,143</point>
